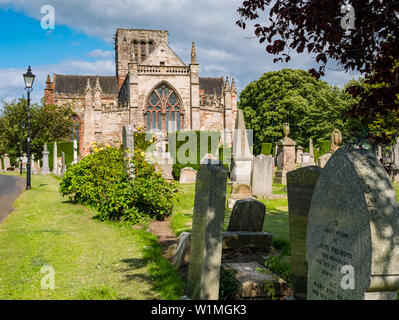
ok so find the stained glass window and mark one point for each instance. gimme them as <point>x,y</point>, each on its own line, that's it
<point>164,110</point>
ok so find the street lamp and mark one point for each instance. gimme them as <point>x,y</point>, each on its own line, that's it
<point>29,78</point>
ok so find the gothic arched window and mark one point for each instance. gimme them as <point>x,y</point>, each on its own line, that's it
<point>75,128</point>
<point>164,110</point>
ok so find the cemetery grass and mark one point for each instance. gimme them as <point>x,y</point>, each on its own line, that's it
<point>92,260</point>
<point>276,220</point>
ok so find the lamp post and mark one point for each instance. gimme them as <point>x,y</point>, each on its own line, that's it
<point>29,78</point>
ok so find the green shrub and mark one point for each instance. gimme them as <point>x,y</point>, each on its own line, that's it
<point>325,146</point>
<point>278,264</point>
<point>267,149</point>
<point>228,284</point>
<point>100,180</point>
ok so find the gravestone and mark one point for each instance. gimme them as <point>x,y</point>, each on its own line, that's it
<point>7,163</point>
<point>300,187</point>
<point>63,164</point>
<point>311,151</point>
<point>322,161</point>
<point>55,162</point>
<point>45,168</point>
<point>395,154</point>
<point>188,175</point>
<point>352,236</point>
<point>262,176</point>
<point>299,152</point>
<point>75,151</point>
<point>306,160</point>
<point>285,157</point>
<point>247,215</point>
<point>239,192</point>
<point>128,150</point>
<point>34,169</point>
<point>241,164</point>
<point>24,160</point>
<point>207,233</point>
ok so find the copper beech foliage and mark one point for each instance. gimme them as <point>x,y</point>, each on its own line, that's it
<point>372,47</point>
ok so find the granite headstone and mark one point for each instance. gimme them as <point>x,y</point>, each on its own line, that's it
<point>207,233</point>
<point>353,230</point>
<point>300,187</point>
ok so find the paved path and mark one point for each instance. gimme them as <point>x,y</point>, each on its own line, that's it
<point>10,188</point>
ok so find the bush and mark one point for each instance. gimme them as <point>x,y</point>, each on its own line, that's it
<point>100,180</point>
<point>325,146</point>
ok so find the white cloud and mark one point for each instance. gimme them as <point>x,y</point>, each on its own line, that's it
<point>223,49</point>
<point>12,83</point>
<point>98,53</point>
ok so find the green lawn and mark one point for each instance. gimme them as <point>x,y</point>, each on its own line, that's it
<point>276,220</point>
<point>91,259</point>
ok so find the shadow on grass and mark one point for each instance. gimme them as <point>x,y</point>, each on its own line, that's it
<point>162,275</point>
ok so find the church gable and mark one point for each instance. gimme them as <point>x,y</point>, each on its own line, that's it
<point>165,55</point>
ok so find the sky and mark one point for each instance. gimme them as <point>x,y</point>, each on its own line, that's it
<point>81,42</point>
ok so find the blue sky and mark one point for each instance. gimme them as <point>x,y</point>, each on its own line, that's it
<point>81,42</point>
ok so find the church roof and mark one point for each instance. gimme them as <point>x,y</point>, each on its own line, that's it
<point>72,84</point>
<point>209,84</point>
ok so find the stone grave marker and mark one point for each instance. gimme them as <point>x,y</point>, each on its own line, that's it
<point>239,192</point>
<point>7,163</point>
<point>55,162</point>
<point>300,187</point>
<point>128,149</point>
<point>24,160</point>
<point>45,168</point>
<point>241,164</point>
<point>207,233</point>
<point>188,175</point>
<point>352,236</point>
<point>247,215</point>
<point>262,176</point>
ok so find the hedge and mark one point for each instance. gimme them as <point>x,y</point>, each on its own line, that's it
<point>267,149</point>
<point>63,146</point>
<point>325,147</point>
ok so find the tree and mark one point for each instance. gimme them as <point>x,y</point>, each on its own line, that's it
<point>372,47</point>
<point>311,107</point>
<point>48,123</point>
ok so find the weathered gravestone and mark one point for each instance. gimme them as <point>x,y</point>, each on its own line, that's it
<point>353,230</point>
<point>24,160</point>
<point>241,164</point>
<point>322,161</point>
<point>247,215</point>
<point>299,152</point>
<point>262,176</point>
<point>300,187</point>
<point>188,175</point>
<point>207,233</point>
<point>128,150</point>
<point>7,163</point>
<point>55,162</point>
<point>239,192</point>
<point>63,164</point>
<point>75,151</point>
<point>45,168</point>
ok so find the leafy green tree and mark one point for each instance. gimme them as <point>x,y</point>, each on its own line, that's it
<point>47,123</point>
<point>311,107</point>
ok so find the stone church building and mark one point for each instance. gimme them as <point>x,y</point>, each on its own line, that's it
<point>153,89</point>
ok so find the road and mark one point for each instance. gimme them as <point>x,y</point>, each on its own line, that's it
<point>10,188</point>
